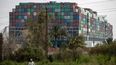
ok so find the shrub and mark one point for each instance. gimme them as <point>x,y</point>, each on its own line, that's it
<point>63,55</point>
<point>112,60</point>
<point>83,59</point>
<point>105,49</point>
<point>27,53</point>
<point>8,62</point>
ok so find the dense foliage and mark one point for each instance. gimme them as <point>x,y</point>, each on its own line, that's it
<point>83,60</point>
<point>105,49</point>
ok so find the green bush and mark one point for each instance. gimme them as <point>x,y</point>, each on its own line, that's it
<point>27,53</point>
<point>102,59</point>
<point>83,59</point>
<point>106,49</point>
<point>8,62</point>
<point>57,63</point>
<point>63,55</point>
<point>112,60</point>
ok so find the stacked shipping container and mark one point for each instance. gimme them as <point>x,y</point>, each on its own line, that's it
<point>69,16</point>
<point>65,17</point>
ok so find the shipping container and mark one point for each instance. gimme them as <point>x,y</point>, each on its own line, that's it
<point>75,19</point>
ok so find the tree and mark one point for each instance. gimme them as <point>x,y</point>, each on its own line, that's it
<point>56,32</point>
<point>34,36</point>
<point>74,43</point>
<point>109,40</point>
<point>36,32</point>
<point>25,54</point>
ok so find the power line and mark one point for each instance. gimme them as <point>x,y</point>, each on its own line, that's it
<point>4,16</point>
<point>108,11</point>
<point>97,2</point>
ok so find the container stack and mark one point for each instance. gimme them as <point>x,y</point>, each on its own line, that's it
<point>92,26</point>
<point>65,16</point>
<point>101,27</point>
<point>17,19</point>
<point>86,23</point>
<point>68,16</point>
<point>83,24</point>
<point>108,31</point>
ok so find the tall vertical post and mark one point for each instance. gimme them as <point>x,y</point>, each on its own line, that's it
<point>1,48</point>
<point>87,26</point>
<point>46,36</point>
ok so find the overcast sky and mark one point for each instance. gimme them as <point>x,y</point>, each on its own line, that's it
<point>104,7</point>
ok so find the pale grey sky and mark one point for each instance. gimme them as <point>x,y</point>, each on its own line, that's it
<point>104,7</point>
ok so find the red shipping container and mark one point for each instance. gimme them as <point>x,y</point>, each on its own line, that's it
<point>16,13</point>
<point>76,22</point>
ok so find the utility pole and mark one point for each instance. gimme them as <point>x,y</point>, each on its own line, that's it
<point>87,26</point>
<point>46,36</point>
<point>1,48</point>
